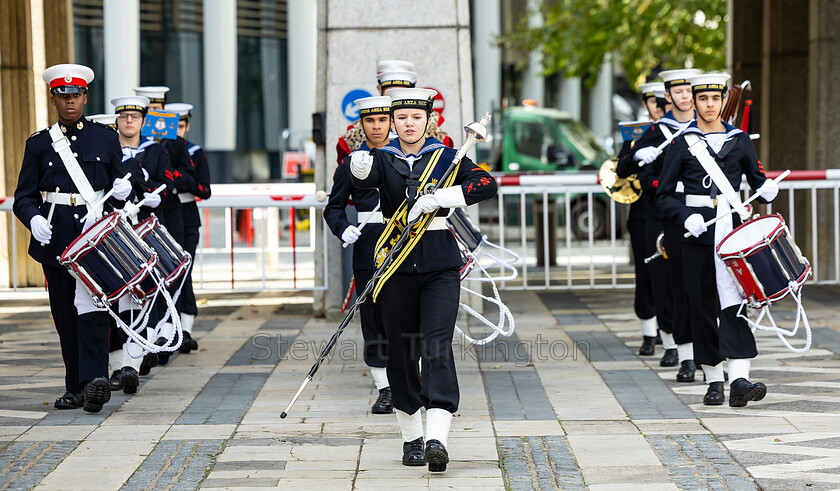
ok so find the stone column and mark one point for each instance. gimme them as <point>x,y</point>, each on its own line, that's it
<point>302,56</point>
<point>570,96</point>
<point>488,57</point>
<point>533,84</point>
<point>220,70</point>
<point>122,48</point>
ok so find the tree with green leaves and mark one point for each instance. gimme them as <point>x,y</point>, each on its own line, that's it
<point>577,35</point>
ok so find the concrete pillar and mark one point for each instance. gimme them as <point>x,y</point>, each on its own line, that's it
<point>533,84</point>
<point>122,48</point>
<point>600,102</point>
<point>302,59</point>
<point>220,70</point>
<point>570,96</point>
<point>488,57</point>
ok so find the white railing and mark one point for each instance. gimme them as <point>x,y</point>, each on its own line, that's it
<point>529,204</point>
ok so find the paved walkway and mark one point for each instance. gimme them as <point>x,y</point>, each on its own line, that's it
<point>565,403</point>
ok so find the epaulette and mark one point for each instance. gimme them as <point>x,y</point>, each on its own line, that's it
<point>97,123</point>
<point>36,133</point>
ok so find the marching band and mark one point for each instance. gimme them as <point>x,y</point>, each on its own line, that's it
<point>86,186</point>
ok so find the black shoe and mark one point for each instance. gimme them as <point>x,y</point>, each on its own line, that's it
<point>670,358</point>
<point>188,344</point>
<point>150,360</point>
<point>686,373</point>
<point>436,456</point>
<point>163,356</point>
<point>648,346</point>
<point>413,453</point>
<point>116,380</point>
<point>130,380</point>
<point>714,394</point>
<point>742,391</point>
<point>383,402</point>
<point>70,400</point>
<point>97,393</point>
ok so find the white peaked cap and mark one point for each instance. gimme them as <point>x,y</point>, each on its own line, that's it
<point>651,88</point>
<point>154,93</point>
<point>394,66</point>
<point>179,108</point>
<point>130,103</point>
<point>709,81</point>
<point>678,77</point>
<point>67,74</point>
<point>373,105</point>
<point>413,97</point>
<point>107,119</point>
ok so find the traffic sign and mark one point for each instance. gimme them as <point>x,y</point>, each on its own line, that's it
<point>350,110</point>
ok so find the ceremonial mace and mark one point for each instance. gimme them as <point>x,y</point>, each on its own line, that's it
<point>475,132</point>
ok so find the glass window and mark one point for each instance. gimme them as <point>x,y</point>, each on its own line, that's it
<point>537,140</point>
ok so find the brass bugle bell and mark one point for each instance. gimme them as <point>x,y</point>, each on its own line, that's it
<point>623,190</point>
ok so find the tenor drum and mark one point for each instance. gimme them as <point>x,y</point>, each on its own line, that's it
<point>110,261</point>
<point>173,261</point>
<point>764,261</point>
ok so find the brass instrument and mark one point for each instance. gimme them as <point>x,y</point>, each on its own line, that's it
<point>623,190</point>
<point>660,249</point>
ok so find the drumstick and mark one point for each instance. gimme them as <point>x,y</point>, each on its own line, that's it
<point>52,209</point>
<point>132,208</point>
<point>749,200</point>
<point>103,200</point>
<point>668,141</point>
<point>362,225</point>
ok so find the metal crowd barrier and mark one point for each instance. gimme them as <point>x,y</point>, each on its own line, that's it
<point>535,216</point>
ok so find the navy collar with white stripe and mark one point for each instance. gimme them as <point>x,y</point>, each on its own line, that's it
<point>431,144</point>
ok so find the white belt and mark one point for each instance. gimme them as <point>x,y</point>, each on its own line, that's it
<point>186,197</point>
<point>699,201</point>
<point>72,199</point>
<point>437,223</point>
<point>370,216</point>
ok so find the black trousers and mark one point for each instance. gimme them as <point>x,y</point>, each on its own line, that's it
<point>660,281</point>
<point>701,287</point>
<point>373,329</point>
<point>419,312</point>
<point>83,338</point>
<point>736,338</point>
<point>643,302</point>
<point>680,307</point>
<point>192,222</point>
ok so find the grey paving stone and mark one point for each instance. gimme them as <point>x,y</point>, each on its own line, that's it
<point>175,464</point>
<point>539,463</point>
<point>24,464</point>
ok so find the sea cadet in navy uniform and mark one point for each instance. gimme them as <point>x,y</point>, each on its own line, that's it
<point>711,290</point>
<point>669,289</point>
<point>200,188</point>
<point>82,327</point>
<point>643,302</point>
<point>375,114</point>
<point>418,295</point>
<point>184,177</point>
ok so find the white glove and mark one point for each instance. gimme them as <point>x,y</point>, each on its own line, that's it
<point>647,155</point>
<point>41,229</point>
<point>443,198</point>
<point>769,190</point>
<point>351,234</point>
<point>152,200</point>
<point>695,224</point>
<point>360,164</point>
<point>122,188</point>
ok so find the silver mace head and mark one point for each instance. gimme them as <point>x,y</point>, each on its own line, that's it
<point>478,129</point>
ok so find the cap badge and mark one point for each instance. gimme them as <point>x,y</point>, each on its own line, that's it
<point>68,78</point>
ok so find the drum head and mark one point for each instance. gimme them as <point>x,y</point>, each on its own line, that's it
<point>143,228</point>
<point>81,243</point>
<point>750,234</point>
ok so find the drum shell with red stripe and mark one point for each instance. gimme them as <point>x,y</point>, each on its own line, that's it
<point>763,260</point>
<point>173,261</point>
<point>110,260</point>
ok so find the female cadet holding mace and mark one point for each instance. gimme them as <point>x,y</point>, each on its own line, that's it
<point>418,293</point>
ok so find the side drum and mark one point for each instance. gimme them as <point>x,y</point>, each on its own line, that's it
<point>110,261</point>
<point>764,261</point>
<point>173,261</point>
